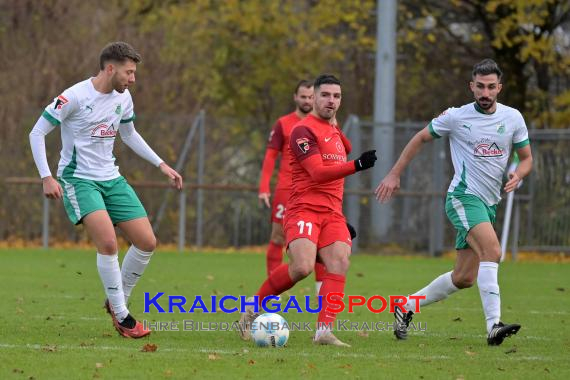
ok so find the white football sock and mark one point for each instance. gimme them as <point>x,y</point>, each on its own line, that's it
<point>134,264</point>
<point>487,281</point>
<point>321,329</point>
<point>437,290</point>
<point>318,285</point>
<point>110,274</point>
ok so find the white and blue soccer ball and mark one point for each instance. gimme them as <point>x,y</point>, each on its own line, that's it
<point>269,330</point>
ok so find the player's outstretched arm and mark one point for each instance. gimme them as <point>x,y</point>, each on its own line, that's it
<point>391,183</point>
<point>322,174</point>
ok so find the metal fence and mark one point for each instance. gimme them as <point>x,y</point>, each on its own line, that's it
<point>229,215</point>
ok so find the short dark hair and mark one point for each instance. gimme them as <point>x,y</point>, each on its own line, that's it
<point>119,52</point>
<point>325,79</point>
<point>303,83</point>
<point>487,67</point>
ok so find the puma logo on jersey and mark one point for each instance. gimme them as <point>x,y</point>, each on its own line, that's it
<point>468,126</point>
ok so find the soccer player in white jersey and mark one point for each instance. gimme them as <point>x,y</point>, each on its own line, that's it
<point>481,136</point>
<point>90,114</point>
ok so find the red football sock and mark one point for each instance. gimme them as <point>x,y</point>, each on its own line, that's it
<point>332,283</point>
<point>274,256</point>
<point>277,282</point>
<point>320,271</point>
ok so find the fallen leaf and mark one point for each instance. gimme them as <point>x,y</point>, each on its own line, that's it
<point>311,365</point>
<point>245,350</point>
<point>168,373</point>
<point>511,351</point>
<point>363,334</point>
<point>214,356</point>
<point>251,362</point>
<point>349,366</point>
<point>49,348</point>
<point>98,365</point>
<point>470,353</point>
<point>149,347</point>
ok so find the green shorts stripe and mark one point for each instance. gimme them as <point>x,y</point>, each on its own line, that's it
<point>460,212</point>
<point>465,211</point>
<point>69,192</point>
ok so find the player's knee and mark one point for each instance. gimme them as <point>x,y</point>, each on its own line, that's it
<point>339,265</point>
<point>464,280</point>
<point>302,269</point>
<point>148,244</point>
<point>277,239</point>
<point>107,245</point>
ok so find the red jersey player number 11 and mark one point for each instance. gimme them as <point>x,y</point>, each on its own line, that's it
<point>315,227</point>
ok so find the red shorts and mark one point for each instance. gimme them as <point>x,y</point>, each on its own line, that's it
<point>322,226</point>
<point>278,205</point>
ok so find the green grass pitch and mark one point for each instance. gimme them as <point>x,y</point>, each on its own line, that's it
<point>53,326</point>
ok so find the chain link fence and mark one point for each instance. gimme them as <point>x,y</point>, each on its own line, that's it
<point>228,214</point>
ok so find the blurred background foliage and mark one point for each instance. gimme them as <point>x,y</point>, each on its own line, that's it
<point>240,61</point>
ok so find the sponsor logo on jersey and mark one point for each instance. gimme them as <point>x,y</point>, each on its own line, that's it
<point>339,146</point>
<point>103,131</point>
<point>118,109</point>
<point>466,126</point>
<point>484,149</point>
<point>271,135</point>
<point>327,139</point>
<point>60,102</point>
<point>303,144</point>
<point>333,157</point>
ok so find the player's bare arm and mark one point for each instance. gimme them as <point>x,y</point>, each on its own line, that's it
<point>174,178</point>
<point>524,167</point>
<point>391,183</point>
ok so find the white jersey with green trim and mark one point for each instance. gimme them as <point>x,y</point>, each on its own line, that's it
<point>480,146</point>
<point>89,122</point>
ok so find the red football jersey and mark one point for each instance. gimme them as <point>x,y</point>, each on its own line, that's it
<point>279,141</point>
<point>318,164</point>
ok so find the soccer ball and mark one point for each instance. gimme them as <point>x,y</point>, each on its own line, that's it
<point>269,330</point>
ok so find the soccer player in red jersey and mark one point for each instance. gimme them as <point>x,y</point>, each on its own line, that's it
<point>314,224</point>
<point>278,144</point>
